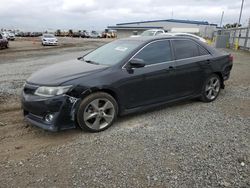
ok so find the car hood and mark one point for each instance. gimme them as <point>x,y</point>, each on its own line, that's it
<point>62,72</point>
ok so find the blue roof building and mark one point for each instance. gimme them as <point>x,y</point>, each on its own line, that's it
<point>126,29</point>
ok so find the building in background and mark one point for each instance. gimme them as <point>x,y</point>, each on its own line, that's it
<point>202,28</point>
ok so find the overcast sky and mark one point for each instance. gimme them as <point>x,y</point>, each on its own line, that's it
<point>98,14</point>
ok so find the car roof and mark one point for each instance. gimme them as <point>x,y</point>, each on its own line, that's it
<point>153,38</point>
<point>148,39</point>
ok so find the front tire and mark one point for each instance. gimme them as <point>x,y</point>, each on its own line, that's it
<point>97,112</point>
<point>211,88</point>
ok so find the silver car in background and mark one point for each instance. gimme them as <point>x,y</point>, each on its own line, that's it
<point>49,39</point>
<point>150,32</point>
<point>185,35</point>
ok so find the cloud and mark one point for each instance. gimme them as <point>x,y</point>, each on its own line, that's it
<point>97,14</point>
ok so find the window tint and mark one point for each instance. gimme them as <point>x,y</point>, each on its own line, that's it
<point>156,52</point>
<point>203,51</point>
<point>185,49</point>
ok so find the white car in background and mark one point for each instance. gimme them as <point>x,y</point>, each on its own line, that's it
<point>11,36</point>
<point>150,32</point>
<point>185,35</point>
<point>49,39</point>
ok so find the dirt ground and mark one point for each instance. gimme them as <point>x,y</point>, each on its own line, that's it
<point>11,120</point>
<point>22,146</point>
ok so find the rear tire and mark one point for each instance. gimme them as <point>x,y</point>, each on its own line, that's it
<point>211,88</point>
<point>97,112</point>
<point>7,45</point>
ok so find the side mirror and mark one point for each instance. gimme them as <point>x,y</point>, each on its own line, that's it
<point>136,63</point>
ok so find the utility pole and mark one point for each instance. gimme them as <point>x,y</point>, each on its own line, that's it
<point>236,41</point>
<point>221,18</point>
<point>241,8</point>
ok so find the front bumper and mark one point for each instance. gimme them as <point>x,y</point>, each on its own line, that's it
<point>37,108</point>
<point>50,43</point>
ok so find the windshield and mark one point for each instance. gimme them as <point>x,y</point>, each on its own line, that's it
<point>148,33</point>
<point>112,53</point>
<point>48,36</point>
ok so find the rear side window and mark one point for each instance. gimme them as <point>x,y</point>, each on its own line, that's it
<point>156,52</point>
<point>185,49</point>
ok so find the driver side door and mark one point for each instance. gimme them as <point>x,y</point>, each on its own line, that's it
<point>154,82</point>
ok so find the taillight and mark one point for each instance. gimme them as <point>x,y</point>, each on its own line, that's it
<point>231,58</point>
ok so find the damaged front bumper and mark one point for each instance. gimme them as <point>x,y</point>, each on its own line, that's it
<point>53,113</point>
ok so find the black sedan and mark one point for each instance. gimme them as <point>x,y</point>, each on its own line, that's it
<point>122,77</point>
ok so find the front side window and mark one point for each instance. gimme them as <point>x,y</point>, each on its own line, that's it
<point>185,49</point>
<point>156,52</point>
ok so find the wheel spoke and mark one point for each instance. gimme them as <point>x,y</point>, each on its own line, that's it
<point>96,125</point>
<point>215,84</point>
<point>88,115</point>
<point>107,105</point>
<point>209,95</point>
<point>215,92</point>
<point>108,118</point>
<point>208,88</point>
<point>95,104</point>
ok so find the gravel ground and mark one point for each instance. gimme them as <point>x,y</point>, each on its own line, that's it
<point>188,144</point>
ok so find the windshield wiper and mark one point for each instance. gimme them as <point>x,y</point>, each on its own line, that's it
<point>92,62</point>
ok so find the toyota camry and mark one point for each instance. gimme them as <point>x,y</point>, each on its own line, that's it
<point>122,77</point>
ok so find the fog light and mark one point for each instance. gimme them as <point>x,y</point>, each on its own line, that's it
<point>49,118</point>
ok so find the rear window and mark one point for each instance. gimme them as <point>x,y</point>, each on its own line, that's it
<point>185,49</point>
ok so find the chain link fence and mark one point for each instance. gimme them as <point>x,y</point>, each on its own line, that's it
<point>236,38</point>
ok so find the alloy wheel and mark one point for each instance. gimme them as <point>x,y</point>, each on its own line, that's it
<point>99,113</point>
<point>212,88</point>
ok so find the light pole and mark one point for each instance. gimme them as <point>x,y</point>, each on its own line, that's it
<point>241,8</point>
<point>221,18</point>
<point>236,41</point>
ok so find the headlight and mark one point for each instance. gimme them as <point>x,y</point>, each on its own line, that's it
<point>52,91</point>
<point>44,40</point>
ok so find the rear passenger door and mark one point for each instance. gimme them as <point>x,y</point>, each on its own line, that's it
<point>190,74</point>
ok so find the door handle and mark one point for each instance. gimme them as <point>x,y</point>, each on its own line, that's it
<point>170,67</point>
<point>208,61</point>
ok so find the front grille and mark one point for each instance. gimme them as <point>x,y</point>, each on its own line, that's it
<point>30,89</point>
